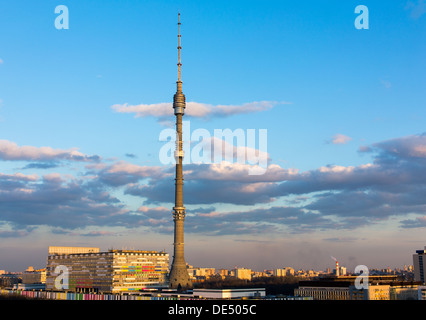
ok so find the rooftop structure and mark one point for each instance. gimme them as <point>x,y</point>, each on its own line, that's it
<point>71,250</point>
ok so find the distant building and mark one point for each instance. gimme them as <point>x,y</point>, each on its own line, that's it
<point>200,274</point>
<point>204,272</point>
<point>268,273</point>
<point>32,276</point>
<point>259,274</point>
<point>113,271</point>
<point>343,288</point>
<point>397,290</point>
<point>243,273</point>
<point>283,272</point>
<point>419,261</point>
<point>223,273</point>
<point>9,280</point>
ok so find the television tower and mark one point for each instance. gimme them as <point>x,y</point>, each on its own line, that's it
<point>179,277</point>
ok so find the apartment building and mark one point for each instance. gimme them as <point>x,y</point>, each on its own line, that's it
<point>112,271</point>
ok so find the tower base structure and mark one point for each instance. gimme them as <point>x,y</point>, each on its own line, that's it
<point>179,278</point>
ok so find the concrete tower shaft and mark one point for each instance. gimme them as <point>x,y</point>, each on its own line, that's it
<point>179,277</point>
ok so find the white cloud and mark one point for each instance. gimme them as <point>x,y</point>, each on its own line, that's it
<point>122,173</point>
<point>19,176</point>
<point>226,171</point>
<point>194,109</point>
<point>145,209</point>
<point>340,139</point>
<point>126,168</point>
<point>336,169</point>
<point>11,151</point>
<point>413,146</point>
<point>53,177</point>
<point>145,110</point>
<point>216,150</point>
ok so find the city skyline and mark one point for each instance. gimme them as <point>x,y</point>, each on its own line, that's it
<point>211,270</point>
<point>82,109</point>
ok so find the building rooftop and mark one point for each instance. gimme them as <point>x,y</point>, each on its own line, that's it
<point>68,250</point>
<point>135,251</point>
<point>90,251</point>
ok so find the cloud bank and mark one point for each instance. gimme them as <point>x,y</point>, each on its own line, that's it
<point>11,151</point>
<point>283,199</point>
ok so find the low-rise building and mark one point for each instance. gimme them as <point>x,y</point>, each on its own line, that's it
<point>8,280</point>
<point>324,290</point>
<point>229,293</point>
<point>421,292</point>
<point>34,276</point>
<point>383,287</point>
<point>373,292</point>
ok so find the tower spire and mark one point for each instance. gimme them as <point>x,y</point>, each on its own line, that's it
<point>179,98</point>
<point>179,48</point>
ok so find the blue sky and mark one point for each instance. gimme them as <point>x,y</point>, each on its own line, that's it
<point>75,170</point>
